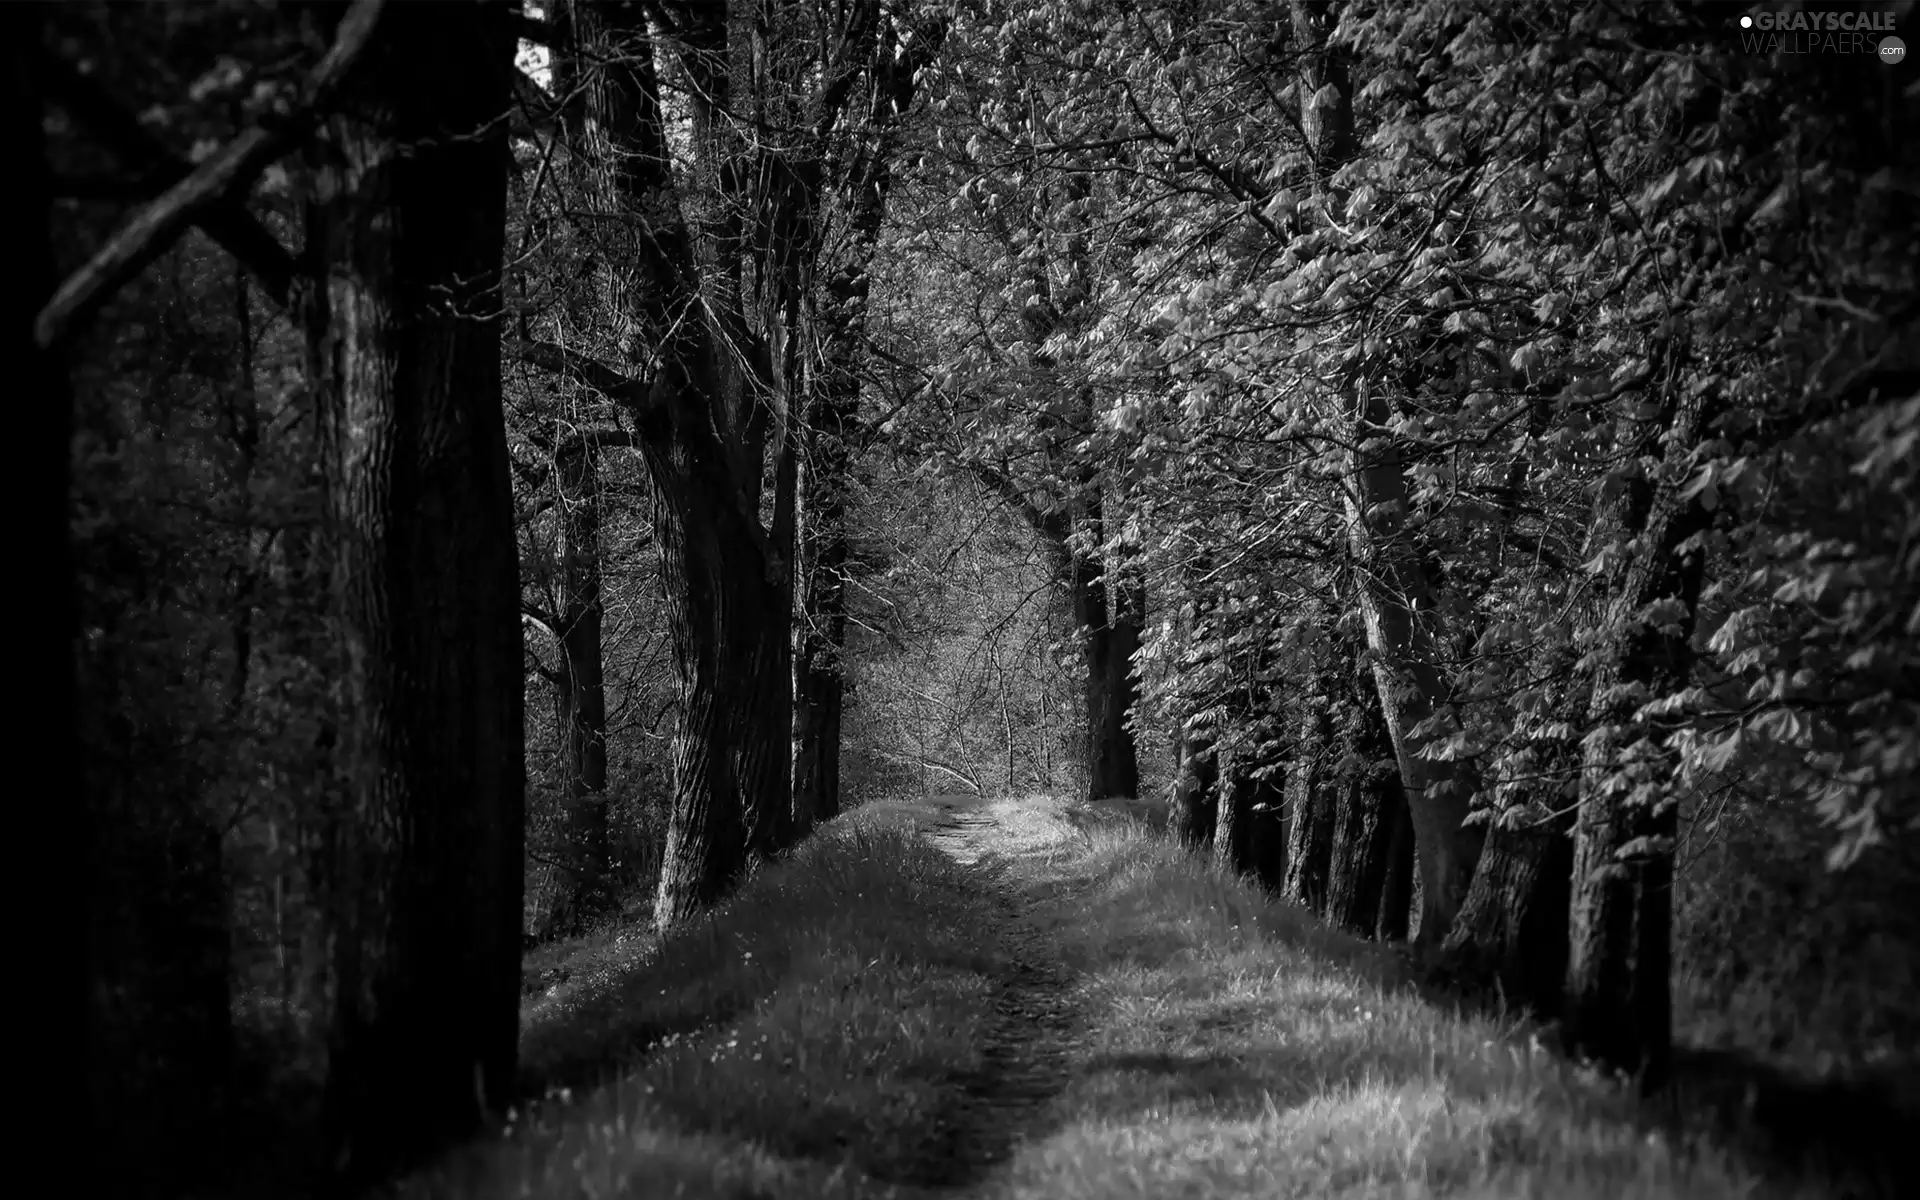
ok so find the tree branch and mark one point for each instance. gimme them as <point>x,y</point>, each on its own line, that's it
<point>228,223</point>
<point>149,231</point>
<point>583,369</point>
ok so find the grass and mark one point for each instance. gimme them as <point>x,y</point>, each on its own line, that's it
<point>806,1041</point>
<point>1236,1046</point>
<point>821,1035</point>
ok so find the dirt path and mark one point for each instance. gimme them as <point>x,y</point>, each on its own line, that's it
<point>1036,1014</point>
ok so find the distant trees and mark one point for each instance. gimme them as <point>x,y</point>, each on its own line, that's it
<point>582,882</point>
<point>731,340</point>
<point>858,169</point>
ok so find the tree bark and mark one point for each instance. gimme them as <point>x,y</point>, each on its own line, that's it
<point>426,863</point>
<point>1396,891</point>
<point>1397,608</point>
<point>59,1005</point>
<point>1511,933</point>
<point>1109,609</point>
<point>732,656</point>
<point>725,581</point>
<point>1194,812</point>
<point>1394,598</point>
<point>820,632</point>
<point>1618,997</point>
<point>1309,808</point>
<point>1233,819</point>
<point>1368,802</point>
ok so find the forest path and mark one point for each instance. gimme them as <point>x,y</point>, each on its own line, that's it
<point>1037,1013</point>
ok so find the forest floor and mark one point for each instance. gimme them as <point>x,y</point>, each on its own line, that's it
<point>1029,998</point>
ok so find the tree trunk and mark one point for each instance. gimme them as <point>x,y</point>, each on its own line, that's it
<point>1395,603</point>
<point>1618,998</point>
<point>1194,811</point>
<point>728,608</point>
<point>1111,610</point>
<point>1394,598</point>
<point>1309,809</point>
<point>1233,819</point>
<point>1512,931</point>
<point>732,658</point>
<point>1368,802</point>
<point>820,634</point>
<point>1396,891</point>
<point>582,883</point>
<point>426,877</point>
<point>58,1006</point>
<point>1108,610</point>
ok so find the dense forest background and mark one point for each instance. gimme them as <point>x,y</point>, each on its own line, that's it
<point>501,470</point>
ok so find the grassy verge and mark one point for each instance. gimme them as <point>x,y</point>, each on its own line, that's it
<point>811,1039</point>
<point>1236,1047</point>
<point>840,1020</point>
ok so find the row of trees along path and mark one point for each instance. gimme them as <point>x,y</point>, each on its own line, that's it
<point>1402,392</point>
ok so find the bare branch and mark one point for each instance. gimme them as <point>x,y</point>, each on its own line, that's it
<point>228,223</point>
<point>153,228</point>
<point>581,368</point>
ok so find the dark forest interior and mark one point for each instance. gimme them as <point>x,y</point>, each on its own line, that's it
<point>951,535</point>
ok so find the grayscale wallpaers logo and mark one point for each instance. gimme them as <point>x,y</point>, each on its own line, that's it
<point>1767,32</point>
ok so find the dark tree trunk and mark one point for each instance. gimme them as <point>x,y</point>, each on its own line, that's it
<point>1112,610</point>
<point>1394,595</point>
<point>1511,933</point>
<point>1194,812</point>
<point>162,1028</point>
<point>58,1003</point>
<point>820,633</point>
<point>582,888</point>
<point>1233,819</point>
<point>726,583</point>
<point>1109,610</point>
<point>426,862</point>
<point>1368,803</point>
<point>1618,998</point>
<point>1396,890</point>
<point>732,657</point>
<point>819,664</point>
<point>1309,808</point>
<point>1267,836</point>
